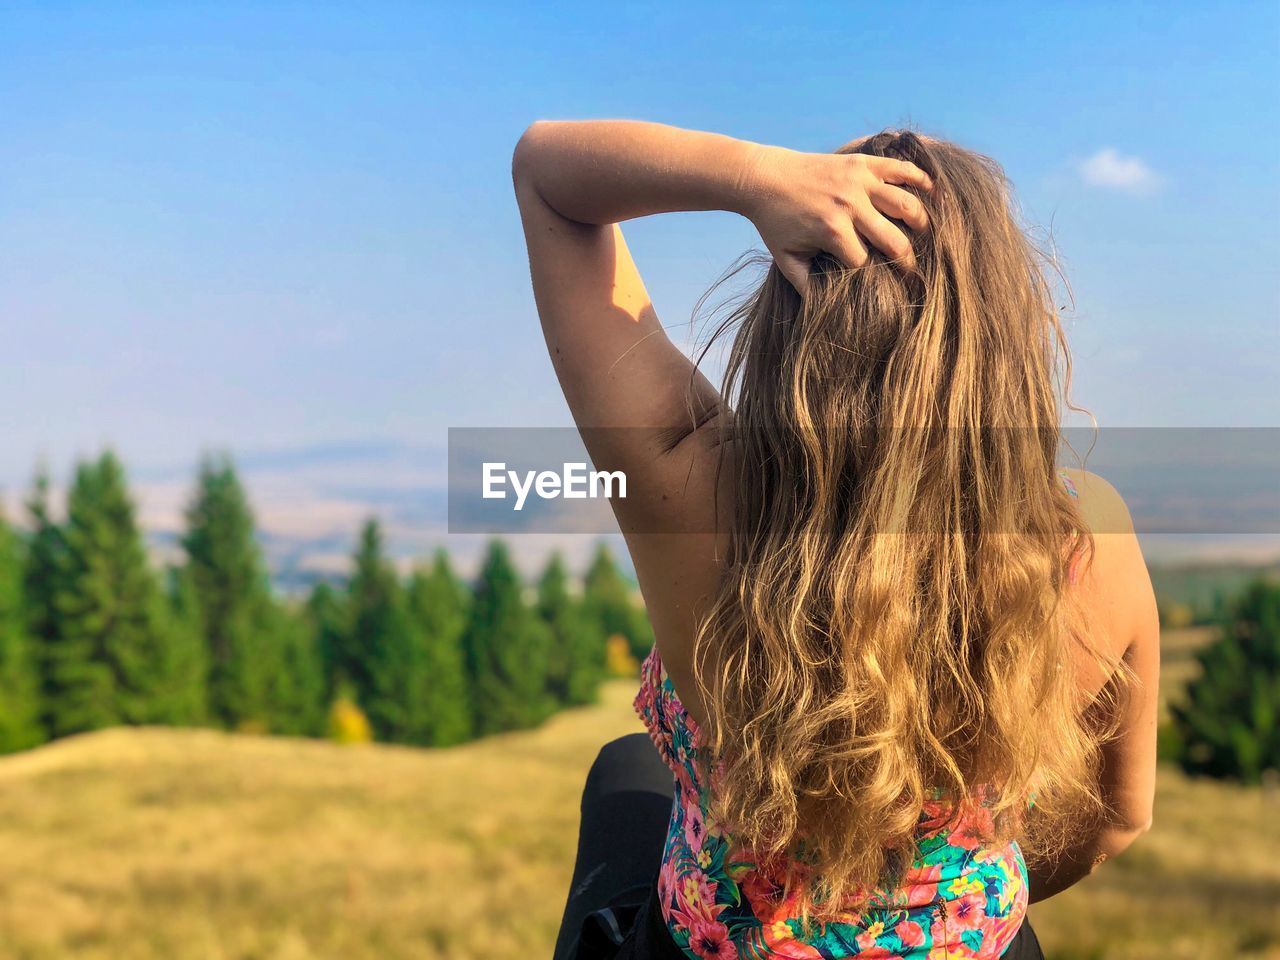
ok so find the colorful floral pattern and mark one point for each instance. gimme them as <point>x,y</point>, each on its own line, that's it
<point>960,899</point>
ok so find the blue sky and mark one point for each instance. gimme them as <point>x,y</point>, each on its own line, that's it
<point>272,226</point>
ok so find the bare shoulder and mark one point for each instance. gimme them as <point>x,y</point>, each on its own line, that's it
<point>1103,509</point>
<point>1115,583</point>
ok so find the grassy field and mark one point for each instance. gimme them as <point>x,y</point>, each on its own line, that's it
<point>194,845</point>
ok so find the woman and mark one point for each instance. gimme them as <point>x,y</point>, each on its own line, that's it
<point>904,673</point>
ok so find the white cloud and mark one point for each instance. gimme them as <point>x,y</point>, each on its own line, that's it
<point>1113,170</point>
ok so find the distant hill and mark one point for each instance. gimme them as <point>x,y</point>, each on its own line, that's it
<point>310,501</point>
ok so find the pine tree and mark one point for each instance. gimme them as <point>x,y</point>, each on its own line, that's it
<point>397,697</point>
<point>1229,724</point>
<point>182,693</point>
<point>555,607</point>
<point>297,686</point>
<point>387,664</point>
<point>227,571</point>
<point>609,602</point>
<point>43,572</point>
<point>328,618</point>
<point>19,704</point>
<point>438,605</point>
<point>1218,612</point>
<point>575,661</point>
<point>506,650</point>
<point>110,663</point>
<point>587,664</point>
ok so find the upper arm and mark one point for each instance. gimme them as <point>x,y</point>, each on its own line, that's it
<point>617,367</point>
<point>1128,773</point>
<point>642,408</point>
<point>1121,603</point>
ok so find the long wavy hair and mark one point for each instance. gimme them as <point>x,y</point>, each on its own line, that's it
<point>894,624</point>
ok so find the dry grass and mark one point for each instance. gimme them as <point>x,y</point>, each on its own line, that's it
<point>158,844</point>
<point>1204,883</point>
<point>195,845</point>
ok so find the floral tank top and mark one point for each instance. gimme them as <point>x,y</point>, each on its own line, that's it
<point>961,898</point>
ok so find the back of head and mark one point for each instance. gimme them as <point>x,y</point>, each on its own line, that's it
<point>894,619</point>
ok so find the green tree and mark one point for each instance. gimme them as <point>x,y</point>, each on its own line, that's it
<point>296,693</point>
<point>19,702</point>
<point>328,616</point>
<point>575,661</point>
<point>1229,724</point>
<point>185,694</point>
<point>234,598</point>
<point>44,569</point>
<point>387,662</point>
<point>506,649</point>
<point>110,662</point>
<point>1218,606</point>
<point>609,601</point>
<point>438,605</point>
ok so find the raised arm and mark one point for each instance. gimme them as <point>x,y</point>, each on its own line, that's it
<point>576,181</point>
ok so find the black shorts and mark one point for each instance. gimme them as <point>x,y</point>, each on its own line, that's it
<point>630,928</point>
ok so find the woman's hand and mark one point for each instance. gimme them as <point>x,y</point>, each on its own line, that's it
<point>807,203</point>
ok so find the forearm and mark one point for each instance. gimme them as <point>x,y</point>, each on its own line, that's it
<point>607,171</point>
<point>1050,879</point>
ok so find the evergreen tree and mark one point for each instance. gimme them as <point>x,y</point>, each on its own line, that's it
<point>297,685</point>
<point>109,663</point>
<point>227,571</point>
<point>438,605</point>
<point>506,650</point>
<point>19,704</point>
<point>386,664</point>
<point>183,691</point>
<point>609,601</point>
<point>1218,612</point>
<point>44,569</point>
<point>575,661</point>
<point>555,607</point>
<point>328,617</point>
<point>398,694</point>
<point>1229,724</point>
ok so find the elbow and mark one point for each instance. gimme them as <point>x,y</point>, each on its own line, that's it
<point>526,149</point>
<point>1144,816</point>
<point>1138,823</point>
<point>1124,835</point>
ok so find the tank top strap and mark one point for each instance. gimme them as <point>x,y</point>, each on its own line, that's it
<point>1073,566</point>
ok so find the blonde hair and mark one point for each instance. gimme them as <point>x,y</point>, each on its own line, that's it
<point>894,622</point>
